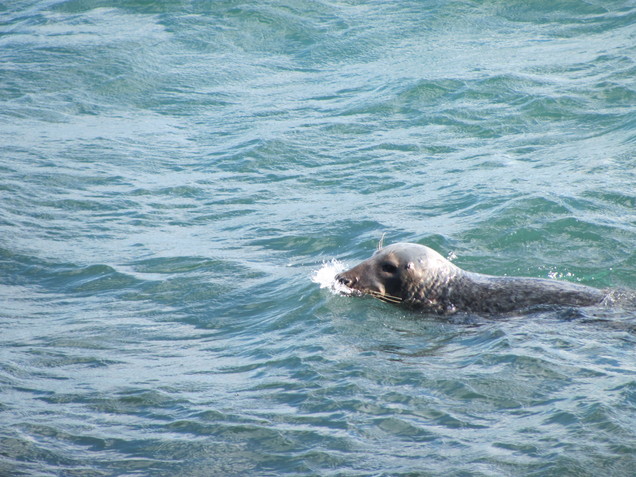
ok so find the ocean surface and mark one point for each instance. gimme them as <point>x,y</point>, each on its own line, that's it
<point>176,174</point>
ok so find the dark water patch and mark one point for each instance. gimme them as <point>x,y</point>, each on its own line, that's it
<point>186,282</point>
<point>184,264</point>
<point>619,200</point>
<point>339,236</point>
<point>568,12</point>
<point>60,277</point>
<point>85,280</point>
<point>68,359</point>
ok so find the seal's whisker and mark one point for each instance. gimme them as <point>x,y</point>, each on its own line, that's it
<point>385,297</point>
<point>389,300</point>
<point>381,242</point>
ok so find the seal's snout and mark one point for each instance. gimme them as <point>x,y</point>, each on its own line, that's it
<point>345,280</point>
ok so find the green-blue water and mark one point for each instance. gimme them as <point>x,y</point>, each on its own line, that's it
<point>172,173</point>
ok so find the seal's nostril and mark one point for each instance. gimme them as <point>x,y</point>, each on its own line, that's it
<point>344,280</point>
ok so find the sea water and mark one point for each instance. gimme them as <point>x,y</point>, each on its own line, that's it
<point>174,173</point>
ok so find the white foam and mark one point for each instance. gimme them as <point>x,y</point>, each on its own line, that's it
<point>325,276</point>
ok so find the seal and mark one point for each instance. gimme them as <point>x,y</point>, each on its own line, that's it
<point>419,278</point>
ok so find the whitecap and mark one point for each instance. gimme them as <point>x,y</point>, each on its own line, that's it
<point>325,276</point>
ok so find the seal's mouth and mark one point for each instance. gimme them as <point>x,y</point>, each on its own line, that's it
<point>349,286</point>
<point>345,291</point>
<point>346,281</point>
<point>345,286</point>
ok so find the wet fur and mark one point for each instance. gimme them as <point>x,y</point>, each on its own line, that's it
<point>419,278</point>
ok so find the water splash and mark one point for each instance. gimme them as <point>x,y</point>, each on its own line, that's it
<point>325,276</point>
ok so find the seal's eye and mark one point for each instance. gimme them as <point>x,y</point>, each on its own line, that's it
<point>389,268</point>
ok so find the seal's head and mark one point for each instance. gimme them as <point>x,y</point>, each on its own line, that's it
<point>401,273</point>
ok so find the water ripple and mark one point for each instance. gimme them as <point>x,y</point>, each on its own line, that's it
<point>173,174</point>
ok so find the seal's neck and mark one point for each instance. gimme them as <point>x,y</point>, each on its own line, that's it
<point>433,293</point>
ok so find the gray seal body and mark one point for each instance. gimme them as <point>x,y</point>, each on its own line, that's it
<point>420,278</point>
